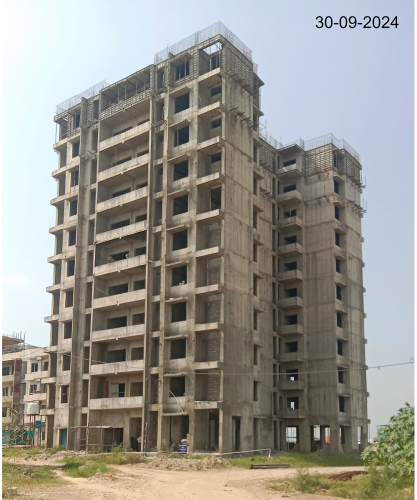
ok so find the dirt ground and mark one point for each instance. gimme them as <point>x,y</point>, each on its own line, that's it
<point>139,481</point>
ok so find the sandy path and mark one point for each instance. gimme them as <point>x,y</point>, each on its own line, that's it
<point>134,482</point>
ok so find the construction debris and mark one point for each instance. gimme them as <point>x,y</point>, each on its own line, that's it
<point>185,464</point>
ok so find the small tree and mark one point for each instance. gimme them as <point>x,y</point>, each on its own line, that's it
<point>394,448</point>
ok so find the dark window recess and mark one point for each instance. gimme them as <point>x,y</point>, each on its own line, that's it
<point>75,149</point>
<point>72,238</point>
<point>140,218</point>
<point>74,178</point>
<point>216,157</point>
<point>181,136</point>
<point>121,131</point>
<point>289,162</point>
<point>293,403</point>
<point>119,193</point>
<point>73,207</point>
<point>290,266</point>
<point>179,276</point>
<point>137,353</point>
<point>181,205</point>
<point>292,375</point>
<point>336,187</point>
<point>77,120</point>
<point>141,186</point>
<point>215,61</point>
<point>337,239</point>
<point>139,285</point>
<point>143,153</point>
<point>34,367</point>
<point>177,387</point>
<point>182,103</point>
<point>340,374</point>
<point>120,322</point>
<point>140,251</point>
<point>288,189</point>
<point>124,160</point>
<point>338,263</point>
<point>120,393</point>
<point>117,289</point>
<point>179,312</point>
<point>255,320</point>
<point>69,299</point>
<point>122,223</point>
<point>71,268</point>
<point>341,404</point>
<point>291,292</point>
<point>138,319</point>
<point>64,393</point>
<point>292,319</point>
<point>255,253</point>
<point>216,198</point>
<point>255,391</point>
<point>68,330</point>
<point>182,70</point>
<point>340,348</point>
<point>136,389</point>
<point>178,349</point>
<point>336,213</point>
<point>180,240</point>
<point>143,122</point>
<point>216,90</point>
<point>338,292</point>
<point>66,362</point>
<point>339,320</point>
<point>181,170</point>
<point>290,213</point>
<point>290,239</point>
<point>119,256</point>
<point>45,366</point>
<point>116,356</point>
<point>5,371</point>
<point>216,123</point>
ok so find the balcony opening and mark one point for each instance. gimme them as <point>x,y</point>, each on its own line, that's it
<point>336,213</point>
<point>138,319</point>
<point>74,178</point>
<point>93,173</point>
<point>91,228</point>
<point>140,251</point>
<point>178,349</point>
<point>216,123</point>
<point>92,201</point>
<point>292,438</point>
<point>72,238</point>
<point>118,289</point>
<point>337,239</point>
<point>116,356</point>
<point>54,334</point>
<point>137,354</point>
<point>292,375</point>
<point>182,70</point>
<point>154,352</point>
<point>87,326</point>
<point>139,285</point>
<point>289,240</point>
<point>340,348</point>
<point>68,330</point>
<point>216,198</point>
<point>71,267</point>
<point>76,149</point>
<point>290,213</point>
<point>115,390</point>
<point>290,266</point>
<point>289,163</point>
<point>179,312</point>
<point>123,160</point>
<point>158,214</point>
<point>341,404</point>
<point>180,205</point>
<point>182,103</point>
<point>177,387</point>
<point>293,403</point>
<point>119,256</point>
<point>57,274</point>
<point>122,131</point>
<point>120,193</point>
<point>336,187</point>
<point>119,322</point>
<point>339,320</point>
<point>288,189</point>
<point>160,78</point>
<point>179,276</point>
<point>64,393</point>
<point>291,292</point>
<point>216,91</point>
<point>118,225</point>
<point>141,218</point>
<point>340,375</point>
<point>69,298</point>
<point>181,170</point>
<point>255,154</point>
<point>291,347</point>
<point>136,389</point>
<point>292,319</point>
<point>338,266</point>
<point>73,208</point>
<point>255,390</point>
<point>66,362</point>
<point>180,240</point>
<point>338,292</point>
<point>181,136</point>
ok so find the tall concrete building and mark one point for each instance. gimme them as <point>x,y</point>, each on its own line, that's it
<point>207,279</point>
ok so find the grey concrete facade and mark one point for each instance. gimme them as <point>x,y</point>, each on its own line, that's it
<point>198,278</point>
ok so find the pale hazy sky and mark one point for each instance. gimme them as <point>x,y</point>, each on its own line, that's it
<point>357,83</point>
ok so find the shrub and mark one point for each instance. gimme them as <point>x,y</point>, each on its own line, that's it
<point>304,481</point>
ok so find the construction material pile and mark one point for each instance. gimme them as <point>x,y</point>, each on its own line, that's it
<point>188,464</point>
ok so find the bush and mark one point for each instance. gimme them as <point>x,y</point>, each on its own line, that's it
<point>305,482</point>
<point>394,449</point>
<point>82,468</point>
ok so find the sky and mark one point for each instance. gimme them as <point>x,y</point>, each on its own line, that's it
<point>356,83</point>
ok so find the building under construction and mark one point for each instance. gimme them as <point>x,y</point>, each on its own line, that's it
<point>207,279</point>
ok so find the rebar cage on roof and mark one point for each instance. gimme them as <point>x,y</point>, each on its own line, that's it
<point>86,94</point>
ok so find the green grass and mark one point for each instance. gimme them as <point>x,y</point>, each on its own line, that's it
<point>28,476</point>
<point>21,452</point>
<point>301,460</point>
<point>88,466</point>
<point>377,485</point>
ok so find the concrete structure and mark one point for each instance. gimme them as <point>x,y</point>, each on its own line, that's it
<point>25,369</point>
<point>202,270</point>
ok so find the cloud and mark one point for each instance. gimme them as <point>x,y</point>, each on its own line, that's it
<point>16,281</point>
